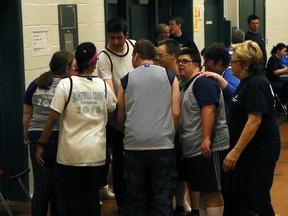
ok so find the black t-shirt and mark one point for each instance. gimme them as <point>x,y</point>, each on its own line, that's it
<point>253,95</point>
<point>257,37</point>
<point>185,41</point>
<point>273,64</point>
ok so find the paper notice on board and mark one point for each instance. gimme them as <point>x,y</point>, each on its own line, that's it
<point>41,41</point>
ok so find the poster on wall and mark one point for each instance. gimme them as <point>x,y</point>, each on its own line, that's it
<point>41,41</point>
<point>196,18</point>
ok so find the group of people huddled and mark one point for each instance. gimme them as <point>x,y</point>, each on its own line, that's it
<point>171,127</point>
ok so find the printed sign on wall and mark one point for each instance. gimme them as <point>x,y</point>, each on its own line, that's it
<point>41,41</point>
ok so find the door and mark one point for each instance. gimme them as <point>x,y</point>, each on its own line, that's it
<point>248,7</point>
<point>214,21</point>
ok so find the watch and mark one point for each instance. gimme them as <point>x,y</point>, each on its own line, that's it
<point>39,143</point>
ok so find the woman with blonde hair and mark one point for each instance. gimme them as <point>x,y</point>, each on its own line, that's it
<point>254,133</point>
<point>162,32</point>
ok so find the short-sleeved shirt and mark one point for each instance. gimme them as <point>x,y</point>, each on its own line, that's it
<point>273,64</point>
<point>198,93</point>
<point>185,41</point>
<point>40,100</point>
<point>253,95</point>
<point>82,134</point>
<point>257,37</point>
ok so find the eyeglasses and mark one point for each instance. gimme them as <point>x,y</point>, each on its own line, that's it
<point>183,61</point>
<point>235,61</point>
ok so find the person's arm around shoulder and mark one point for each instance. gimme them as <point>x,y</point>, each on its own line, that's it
<point>175,102</point>
<point>249,130</point>
<point>121,116</point>
<point>221,81</point>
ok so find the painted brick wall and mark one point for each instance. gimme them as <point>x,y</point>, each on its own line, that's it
<point>44,14</point>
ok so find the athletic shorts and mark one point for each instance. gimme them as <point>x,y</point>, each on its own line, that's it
<point>204,174</point>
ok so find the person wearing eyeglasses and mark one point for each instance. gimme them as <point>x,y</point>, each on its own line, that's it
<point>203,132</point>
<point>167,52</point>
<point>254,133</point>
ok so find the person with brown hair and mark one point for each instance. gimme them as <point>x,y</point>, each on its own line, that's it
<point>37,100</point>
<point>149,107</point>
<point>81,151</point>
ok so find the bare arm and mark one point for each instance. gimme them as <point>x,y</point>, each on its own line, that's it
<point>48,128</point>
<point>27,115</point>
<point>121,107</point>
<point>175,102</point>
<point>281,71</point>
<point>221,81</point>
<point>110,83</point>
<point>208,118</point>
<point>251,126</point>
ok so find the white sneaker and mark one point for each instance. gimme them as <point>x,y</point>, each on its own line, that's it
<point>106,193</point>
<point>187,207</point>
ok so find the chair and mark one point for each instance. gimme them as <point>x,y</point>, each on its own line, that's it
<point>279,106</point>
<point>7,177</point>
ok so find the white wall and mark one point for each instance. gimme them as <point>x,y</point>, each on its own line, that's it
<point>276,23</point>
<point>91,26</point>
<point>276,20</point>
<point>44,14</point>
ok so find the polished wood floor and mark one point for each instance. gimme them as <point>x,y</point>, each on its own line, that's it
<point>279,190</point>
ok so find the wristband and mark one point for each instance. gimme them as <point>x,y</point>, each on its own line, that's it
<point>39,143</point>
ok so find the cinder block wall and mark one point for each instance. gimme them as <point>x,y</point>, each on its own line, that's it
<point>44,14</point>
<point>276,23</point>
<point>91,27</point>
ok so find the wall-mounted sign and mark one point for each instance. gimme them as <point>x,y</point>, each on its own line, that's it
<point>41,41</point>
<point>196,18</point>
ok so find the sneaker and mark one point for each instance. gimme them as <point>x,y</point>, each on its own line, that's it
<point>187,207</point>
<point>106,193</point>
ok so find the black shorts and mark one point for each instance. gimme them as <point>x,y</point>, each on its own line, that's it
<point>204,174</point>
